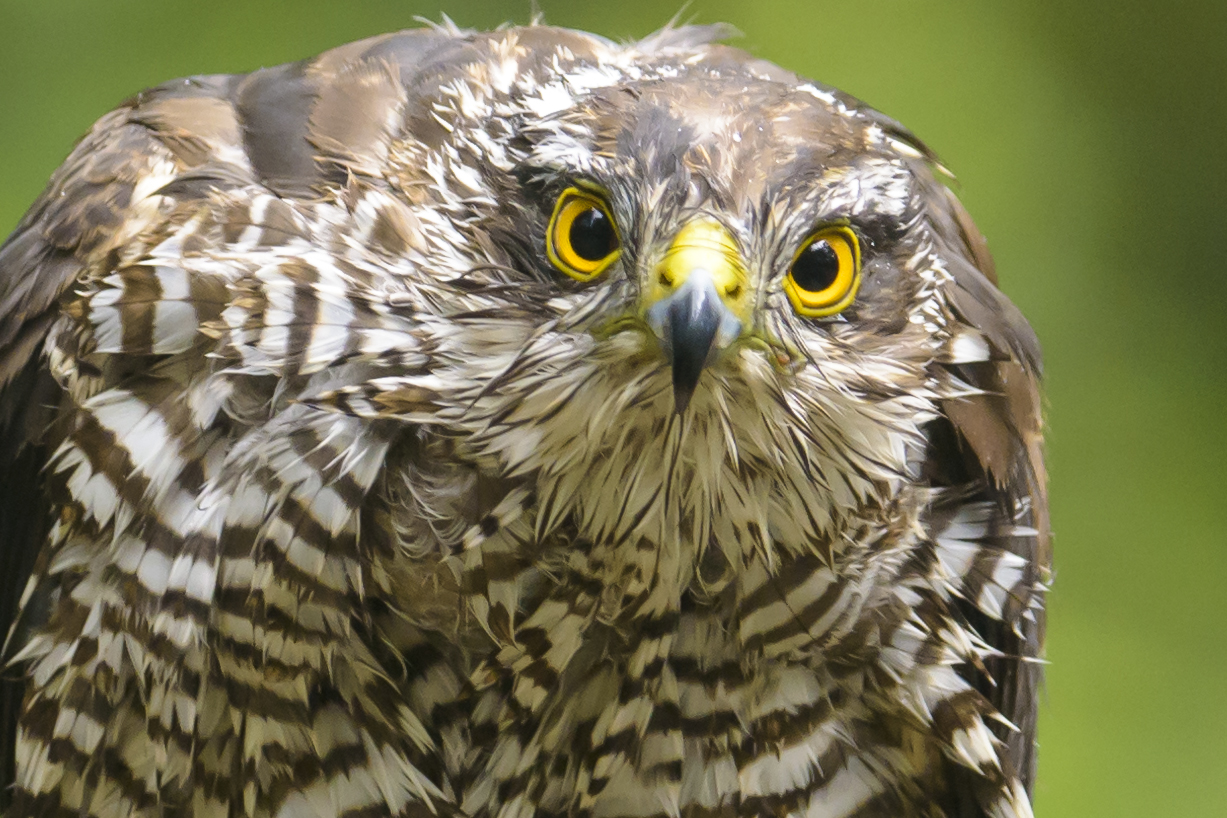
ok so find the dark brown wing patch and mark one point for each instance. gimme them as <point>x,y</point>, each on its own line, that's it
<point>994,447</point>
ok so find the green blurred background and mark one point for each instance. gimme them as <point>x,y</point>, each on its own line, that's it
<point>1090,141</point>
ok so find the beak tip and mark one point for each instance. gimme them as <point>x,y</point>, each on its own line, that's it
<point>689,361</point>
<point>681,400</point>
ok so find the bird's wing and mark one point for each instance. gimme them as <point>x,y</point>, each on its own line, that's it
<point>291,130</point>
<point>986,451</point>
<point>87,214</point>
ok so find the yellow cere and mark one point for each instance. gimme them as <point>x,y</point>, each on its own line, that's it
<point>705,244</point>
<point>815,293</point>
<point>573,204</point>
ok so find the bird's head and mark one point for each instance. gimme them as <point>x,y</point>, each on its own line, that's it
<point>692,283</point>
<point>723,218</point>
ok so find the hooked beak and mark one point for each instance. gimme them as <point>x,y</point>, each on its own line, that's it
<point>698,301</point>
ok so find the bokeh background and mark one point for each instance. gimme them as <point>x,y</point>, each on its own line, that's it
<point>1090,142</point>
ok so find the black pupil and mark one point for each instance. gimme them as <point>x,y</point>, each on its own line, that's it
<point>592,235</point>
<point>816,268</point>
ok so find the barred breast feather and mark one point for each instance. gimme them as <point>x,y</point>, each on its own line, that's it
<point>322,494</point>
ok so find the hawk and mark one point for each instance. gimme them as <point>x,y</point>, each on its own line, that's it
<point>514,424</point>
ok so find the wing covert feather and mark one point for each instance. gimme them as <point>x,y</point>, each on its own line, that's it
<point>152,161</point>
<point>988,448</point>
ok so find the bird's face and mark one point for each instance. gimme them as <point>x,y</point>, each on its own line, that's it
<point>723,286</point>
<point>718,222</point>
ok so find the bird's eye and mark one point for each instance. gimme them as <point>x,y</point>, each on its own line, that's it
<point>825,273</point>
<point>582,240</point>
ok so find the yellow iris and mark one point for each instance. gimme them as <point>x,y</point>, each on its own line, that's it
<point>825,273</point>
<point>582,240</point>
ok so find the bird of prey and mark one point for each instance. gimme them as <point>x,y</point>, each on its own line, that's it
<point>510,425</point>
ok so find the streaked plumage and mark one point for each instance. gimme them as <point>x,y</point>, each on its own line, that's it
<point>337,498</point>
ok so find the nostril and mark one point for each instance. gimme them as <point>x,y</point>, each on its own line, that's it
<point>666,279</point>
<point>734,290</point>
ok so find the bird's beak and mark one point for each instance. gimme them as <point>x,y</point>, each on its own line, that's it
<point>698,300</point>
